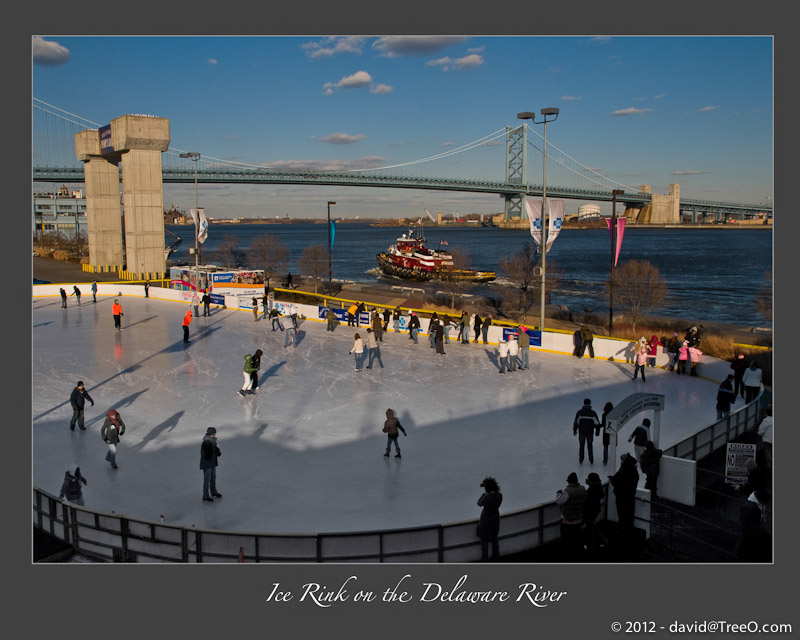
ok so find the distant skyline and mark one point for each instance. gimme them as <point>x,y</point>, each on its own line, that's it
<point>640,110</point>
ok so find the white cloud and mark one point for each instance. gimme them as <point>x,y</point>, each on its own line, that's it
<point>396,46</point>
<point>688,173</point>
<point>212,61</point>
<point>659,96</point>
<point>630,111</point>
<point>331,46</point>
<point>448,144</point>
<point>48,53</point>
<point>381,89</point>
<point>365,162</point>
<point>448,63</point>
<point>342,138</point>
<point>570,98</point>
<point>708,108</point>
<point>600,39</point>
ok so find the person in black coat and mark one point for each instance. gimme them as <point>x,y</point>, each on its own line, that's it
<point>738,365</point>
<point>592,505</point>
<point>77,400</point>
<point>650,462</point>
<point>209,452</point>
<point>256,361</point>
<point>606,436</point>
<point>477,326</point>
<point>71,489</point>
<point>725,397</point>
<point>489,524</point>
<point>754,544</point>
<point>625,481</point>
<point>586,423</point>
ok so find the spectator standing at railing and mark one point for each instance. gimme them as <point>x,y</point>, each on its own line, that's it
<point>489,523</point>
<point>725,396</point>
<point>71,488</point>
<point>592,506</point>
<point>413,326</point>
<point>765,433</point>
<point>396,319</point>
<point>477,327</point>
<point>739,365</point>
<point>570,501</point>
<point>650,462</point>
<point>351,315</point>
<point>625,481</point>
<point>524,347</point>
<point>754,544</point>
<point>751,378</point>
<point>485,328</point>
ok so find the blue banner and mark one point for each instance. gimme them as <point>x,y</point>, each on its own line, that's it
<point>333,232</point>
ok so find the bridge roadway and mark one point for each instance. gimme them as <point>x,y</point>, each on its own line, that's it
<point>229,176</point>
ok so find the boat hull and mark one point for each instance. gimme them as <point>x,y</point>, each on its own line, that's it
<point>387,266</point>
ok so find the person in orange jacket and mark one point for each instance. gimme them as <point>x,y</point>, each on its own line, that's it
<point>116,309</point>
<point>187,320</point>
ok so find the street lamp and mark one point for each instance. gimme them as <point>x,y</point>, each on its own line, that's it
<point>531,115</point>
<point>195,156</point>
<point>330,246</point>
<point>614,194</point>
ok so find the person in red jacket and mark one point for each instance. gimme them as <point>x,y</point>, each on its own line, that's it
<point>116,310</point>
<point>187,320</point>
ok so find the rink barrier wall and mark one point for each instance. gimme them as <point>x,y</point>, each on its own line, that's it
<point>116,538</point>
<point>559,341</point>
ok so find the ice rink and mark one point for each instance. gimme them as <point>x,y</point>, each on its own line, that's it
<point>305,454</point>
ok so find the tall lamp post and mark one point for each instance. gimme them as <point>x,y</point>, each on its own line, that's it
<point>531,115</point>
<point>330,247</point>
<point>614,194</point>
<point>195,156</point>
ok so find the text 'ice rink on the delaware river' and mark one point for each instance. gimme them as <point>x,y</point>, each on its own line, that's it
<point>305,453</point>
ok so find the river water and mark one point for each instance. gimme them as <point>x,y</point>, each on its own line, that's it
<point>712,274</point>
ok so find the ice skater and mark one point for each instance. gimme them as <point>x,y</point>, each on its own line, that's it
<point>641,359</point>
<point>524,347</point>
<point>373,349</point>
<point>63,298</point>
<point>209,454</point>
<point>206,300</point>
<point>293,316</point>
<point>585,426</point>
<point>640,436</point>
<point>113,428</point>
<point>391,428</point>
<point>332,320</point>
<point>485,328</point>
<point>146,288</point>
<point>291,336</point>
<point>256,366</point>
<point>396,319</point>
<point>358,350</point>
<point>413,327</point>
<point>276,319</point>
<point>116,311</point>
<point>502,355</point>
<point>77,293</point>
<point>187,320</point>
<point>94,291</point>
<point>513,351</point>
<point>255,309</point>
<point>438,335</point>
<point>71,488</point>
<point>248,378</point>
<point>78,399</point>
<point>196,303</point>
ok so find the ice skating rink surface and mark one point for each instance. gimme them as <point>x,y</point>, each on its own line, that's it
<point>305,454</point>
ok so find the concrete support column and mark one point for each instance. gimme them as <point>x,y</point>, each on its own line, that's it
<point>103,219</point>
<point>144,211</point>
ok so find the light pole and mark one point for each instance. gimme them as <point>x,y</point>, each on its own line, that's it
<point>614,194</point>
<point>531,115</point>
<point>195,156</point>
<point>330,246</point>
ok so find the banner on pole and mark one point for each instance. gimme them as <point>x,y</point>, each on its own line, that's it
<point>333,232</point>
<point>555,209</point>
<point>200,223</point>
<point>620,233</point>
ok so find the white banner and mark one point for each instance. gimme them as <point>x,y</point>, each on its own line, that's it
<point>556,209</point>
<point>201,226</point>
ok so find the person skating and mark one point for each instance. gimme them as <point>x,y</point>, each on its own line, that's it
<point>291,336</point>
<point>640,436</point>
<point>187,320</point>
<point>396,319</point>
<point>255,309</point>
<point>351,315</point>
<point>414,327</point>
<point>641,359</point>
<point>587,338</point>
<point>77,400</point>
<point>650,463</point>
<point>116,311</point>
<point>463,326</point>
<point>112,430</point>
<point>485,329</point>
<point>751,378</point>
<point>683,357</point>
<point>608,408</point>
<point>265,303</point>
<point>195,303</point>
<point>207,304</point>
<point>63,297</point>
<point>392,429</point>
<point>592,505</point>
<point>358,351</point>
<point>477,326</point>
<point>146,288</point>
<point>209,455</point>
<point>331,318</point>
<point>373,349</point>
<point>94,291</point>
<point>652,350</point>
<point>502,355</point>
<point>438,338</point>
<point>275,317</point>
<point>524,346</point>
<point>489,523</point>
<point>292,313</point>
<point>77,293</point>
<point>257,365</point>
<point>585,424</point>
<point>513,351</point>
<point>694,359</point>
<point>71,488</point>
<point>248,378</point>
<point>739,365</point>
<point>725,397</point>
<point>672,350</point>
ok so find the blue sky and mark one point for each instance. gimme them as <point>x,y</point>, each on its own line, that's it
<point>639,110</point>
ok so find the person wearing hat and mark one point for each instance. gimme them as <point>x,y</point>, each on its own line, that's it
<point>414,327</point>
<point>209,452</point>
<point>640,358</point>
<point>570,501</point>
<point>112,430</point>
<point>725,397</point>
<point>524,346</point>
<point>187,320</point>
<point>592,505</point>
<point>692,337</point>
<point>683,356</point>
<point>584,426</point>
<point>78,399</point>
<point>640,436</point>
<point>739,364</point>
<point>489,523</point>
<point>116,311</point>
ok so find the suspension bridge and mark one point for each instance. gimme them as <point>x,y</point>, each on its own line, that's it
<point>498,163</point>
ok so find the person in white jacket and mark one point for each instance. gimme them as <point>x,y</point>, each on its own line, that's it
<point>765,432</point>
<point>502,355</point>
<point>513,350</point>
<point>358,350</point>
<point>752,381</point>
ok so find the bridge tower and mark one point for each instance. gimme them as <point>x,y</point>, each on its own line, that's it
<point>516,170</point>
<point>135,240</point>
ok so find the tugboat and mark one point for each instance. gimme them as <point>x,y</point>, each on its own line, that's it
<point>411,259</point>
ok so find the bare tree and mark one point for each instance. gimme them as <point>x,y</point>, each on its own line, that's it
<point>229,254</point>
<point>638,288</point>
<point>452,281</point>
<point>269,252</point>
<point>313,263</point>
<point>764,297</point>
<point>520,267</point>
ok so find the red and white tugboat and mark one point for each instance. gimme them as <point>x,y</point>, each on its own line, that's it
<point>411,259</point>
